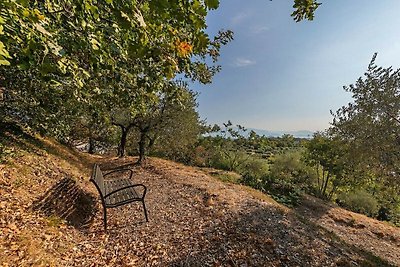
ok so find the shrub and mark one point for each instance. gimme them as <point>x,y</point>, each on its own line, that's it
<point>255,167</point>
<point>359,201</point>
<point>290,168</point>
<point>252,181</point>
<point>282,191</point>
<point>200,156</point>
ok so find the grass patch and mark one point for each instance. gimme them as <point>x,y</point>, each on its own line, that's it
<point>18,182</point>
<point>227,177</point>
<point>224,176</point>
<point>54,221</point>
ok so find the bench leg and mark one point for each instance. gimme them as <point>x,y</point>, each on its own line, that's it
<point>145,211</point>
<point>105,218</point>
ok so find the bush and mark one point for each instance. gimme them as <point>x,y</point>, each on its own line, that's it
<point>228,160</point>
<point>359,201</point>
<point>282,191</point>
<point>255,167</point>
<point>200,156</point>
<point>252,181</point>
<point>290,168</point>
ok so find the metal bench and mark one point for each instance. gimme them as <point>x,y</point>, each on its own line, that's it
<point>117,192</point>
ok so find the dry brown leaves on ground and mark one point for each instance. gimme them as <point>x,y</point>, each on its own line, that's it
<point>195,220</point>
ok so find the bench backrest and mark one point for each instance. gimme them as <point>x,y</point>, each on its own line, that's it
<point>98,179</point>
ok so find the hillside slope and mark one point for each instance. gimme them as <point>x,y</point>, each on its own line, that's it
<point>50,216</point>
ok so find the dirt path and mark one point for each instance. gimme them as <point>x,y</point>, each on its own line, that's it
<point>195,220</point>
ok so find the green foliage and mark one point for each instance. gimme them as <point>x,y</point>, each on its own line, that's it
<point>255,167</point>
<point>360,201</point>
<point>282,191</point>
<point>328,156</point>
<point>74,59</point>
<point>227,177</point>
<point>369,129</point>
<point>371,124</point>
<point>176,134</point>
<point>253,181</point>
<point>64,61</point>
<point>229,160</point>
<point>291,168</point>
<point>285,193</point>
<point>288,177</point>
<point>229,148</point>
<point>304,9</point>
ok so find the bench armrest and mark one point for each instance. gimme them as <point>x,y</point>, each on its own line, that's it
<point>119,170</point>
<point>129,186</point>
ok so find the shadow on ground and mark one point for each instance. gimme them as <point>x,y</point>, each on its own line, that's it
<point>69,202</point>
<point>13,134</point>
<point>266,236</point>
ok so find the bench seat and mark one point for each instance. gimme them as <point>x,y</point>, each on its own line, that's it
<point>123,196</point>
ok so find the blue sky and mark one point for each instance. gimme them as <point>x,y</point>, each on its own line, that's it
<point>282,75</point>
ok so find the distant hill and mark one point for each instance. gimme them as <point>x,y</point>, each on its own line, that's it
<point>299,134</point>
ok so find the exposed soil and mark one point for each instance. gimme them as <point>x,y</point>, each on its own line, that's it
<point>194,220</point>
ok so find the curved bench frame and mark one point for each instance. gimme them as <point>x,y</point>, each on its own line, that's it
<point>108,197</point>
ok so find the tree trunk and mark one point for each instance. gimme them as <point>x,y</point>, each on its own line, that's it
<point>122,143</point>
<point>152,141</point>
<point>330,195</point>
<point>321,186</point>
<point>142,146</point>
<point>91,146</point>
<point>326,184</point>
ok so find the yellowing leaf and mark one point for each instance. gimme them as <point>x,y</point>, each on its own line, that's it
<point>80,83</point>
<point>3,52</point>
<point>140,18</point>
<point>26,13</point>
<point>4,62</point>
<point>95,44</point>
<point>183,48</point>
<point>41,29</point>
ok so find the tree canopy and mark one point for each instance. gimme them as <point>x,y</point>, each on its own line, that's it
<point>371,123</point>
<point>65,61</point>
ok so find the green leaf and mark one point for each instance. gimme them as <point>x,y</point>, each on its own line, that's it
<point>24,65</point>
<point>46,68</point>
<point>212,4</point>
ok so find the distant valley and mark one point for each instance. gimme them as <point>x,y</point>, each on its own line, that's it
<point>299,134</point>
